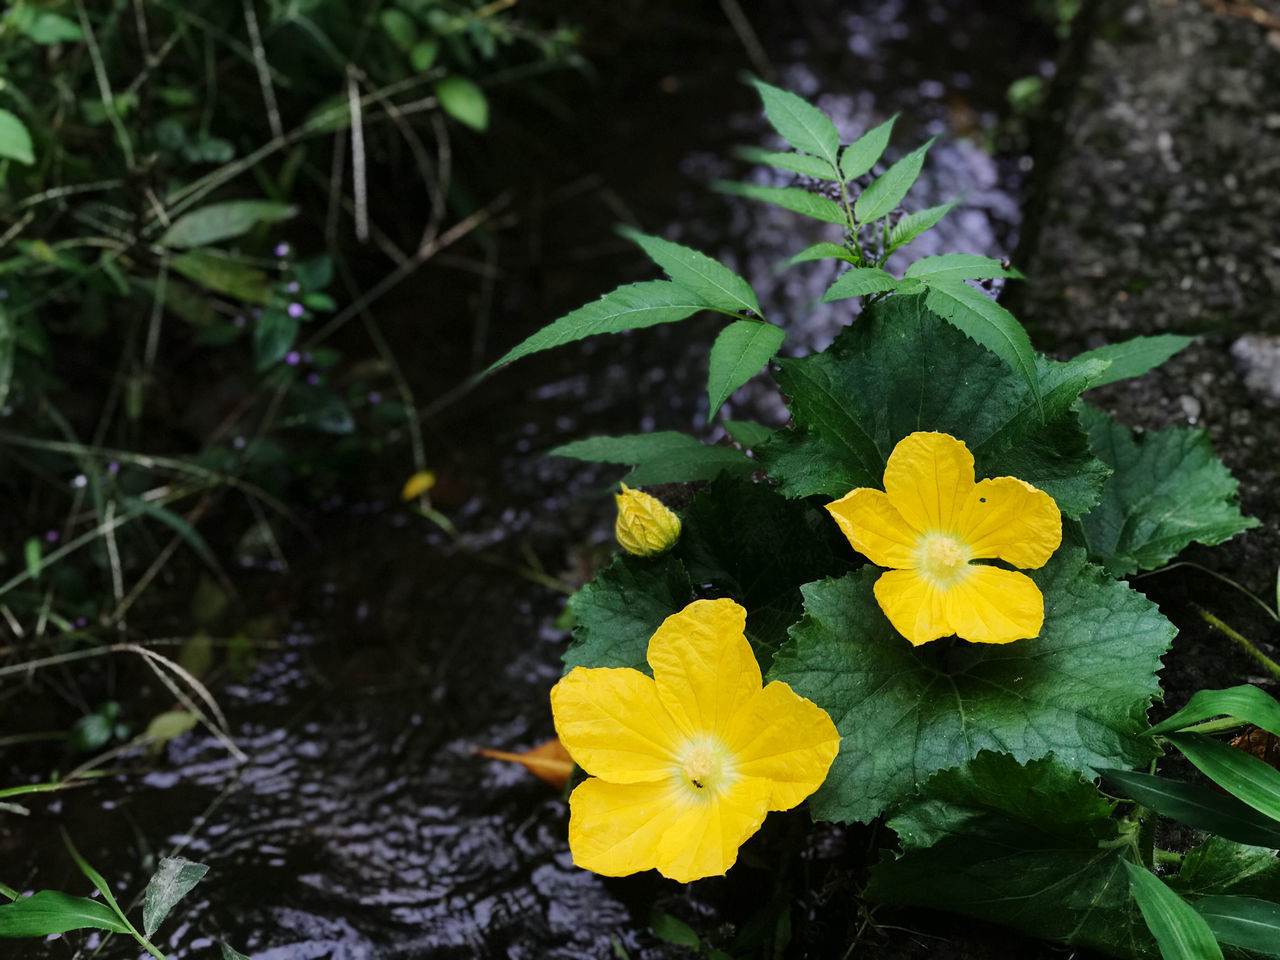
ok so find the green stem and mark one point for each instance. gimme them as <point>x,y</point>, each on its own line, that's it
<point>1146,835</point>
<point>1270,665</point>
<point>1167,857</point>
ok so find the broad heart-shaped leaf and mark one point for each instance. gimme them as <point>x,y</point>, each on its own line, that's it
<point>792,198</point>
<point>739,352</point>
<point>665,456</point>
<point>746,541</point>
<point>48,911</point>
<point>888,189</point>
<point>1178,929</point>
<point>1019,846</point>
<point>1080,690</point>
<point>631,307</point>
<point>617,612</point>
<point>174,879</point>
<point>801,124</point>
<point>716,284</point>
<point>990,324</point>
<point>861,155</point>
<point>1133,358</point>
<point>800,163</point>
<point>914,224</point>
<point>223,221</point>
<point>858,282</point>
<point>1168,489</point>
<point>959,266</point>
<point>900,369</point>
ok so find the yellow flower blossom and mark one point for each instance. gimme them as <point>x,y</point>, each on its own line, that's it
<point>685,764</point>
<point>930,521</point>
<point>645,525</point>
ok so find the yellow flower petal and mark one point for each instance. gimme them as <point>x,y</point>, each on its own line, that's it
<point>613,725</point>
<point>875,528</point>
<point>616,828</point>
<point>786,739</point>
<point>703,666</point>
<point>645,526</point>
<point>995,606</point>
<point>917,609</point>
<point>704,839</point>
<point>1010,519</point>
<point>928,478</point>
<point>418,484</point>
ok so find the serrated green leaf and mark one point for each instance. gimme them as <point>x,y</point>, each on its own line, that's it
<point>1241,774</point>
<point>172,881</point>
<point>800,163</point>
<point>1245,922</point>
<point>617,612</point>
<point>901,368</point>
<point>861,155</point>
<point>15,140</point>
<point>1198,807</point>
<point>1133,358</point>
<point>959,266</point>
<point>1219,867</point>
<point>1168,490</point>
<point>223,221</point>
<point>858,282</point>
<point>791,198</point>
<point>981,318</point>
<point>799,122</point>
<point>904,712</point>
<point>463,100</point>
<point>739,353</point>
<point>47,912</point>
<point>664,456</point>
<point>1181,932</point>
<point>632,307</point>
<point>1246,703</point>
<point>821,251</point>
<point>716,284</point>
<point>747,434</point>
<point>914,224</point>
<point>888,189</point>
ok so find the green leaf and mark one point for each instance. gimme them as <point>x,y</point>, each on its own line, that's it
<point>888,189</point>
<point>821,251</point>
<point>1241,774</point>
<point>1181,932</point>
<point>423,55</point>
<point>165,726</point>
<point>905,712</point>
<point>97,880</point>
<point>712,281</point>
<point>631,307</point>
<point>1246,703</point>
<point>738,354</point>
<point>900,369</point>
<point>914,224</point>
<point>33,557</point>
<point>1168,490</point>
<point>1133,358</point>
<point>221,274</point>
<point>15,141</point>
<point>229,954</point>
<point>273,336</point>
<point>178,525</point>
<point>322,410</point>
<point>665,456</point>
<point>617,612</point>
<point>174,879</point>
<point>801,124</point>
<point>800,163</point>
<point>47,912</point>
<point>668,928</point>
<point>747,434</point>
<point>464,101</point>
<point>1219,867</point>
<point>1198,807</point>
<point>399,27</point>
<point>861,155</point>
<point>858,282</point>
<point>791,198</point>
<point>978,316</point>
<point>223,221</point>
<point>45,27</point>
<point>959,266</point>
<point>1245,922</point>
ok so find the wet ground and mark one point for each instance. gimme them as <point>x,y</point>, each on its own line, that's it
<point>362,826</point>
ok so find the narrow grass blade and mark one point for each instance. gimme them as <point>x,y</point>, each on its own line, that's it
<point>1180,932</point>
<point>1198,806</point>
<point>1245,703</point>
<point>1239,773</point>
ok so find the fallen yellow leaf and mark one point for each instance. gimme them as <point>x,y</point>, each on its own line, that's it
<point>418,484</point>
<point>548,761</point>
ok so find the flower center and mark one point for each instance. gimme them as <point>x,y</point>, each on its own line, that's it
<point>942,558</point>
<point>705,767</point>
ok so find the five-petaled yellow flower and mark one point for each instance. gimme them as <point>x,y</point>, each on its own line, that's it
<point>685,764</point>
<point>930,521</point>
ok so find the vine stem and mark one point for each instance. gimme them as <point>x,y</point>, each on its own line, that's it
<point>1270,665</point>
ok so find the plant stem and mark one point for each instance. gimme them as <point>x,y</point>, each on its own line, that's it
<point>1270,665</point>
<point>1166,856</point>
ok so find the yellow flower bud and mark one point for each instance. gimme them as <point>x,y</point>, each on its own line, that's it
<point>645,526</point>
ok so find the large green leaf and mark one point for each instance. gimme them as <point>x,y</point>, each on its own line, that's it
<point>1245,922</point>
<point>901,368</point>
<point>1219,867</point>
<point>15,140</point>
<point>1198,807</point>
<point>904,712</point>
<point>858,282</point>
<point>1181,932</point>
<point>800,163</point>
<point>888,189</point>
<point>172,881</point>
<point>914,224</point>
<point>739,352</point>
<point>223,221</point>
<point>716,284</point>
<point>801,124</point>
<point>959,266</point>
<point>664,456</point>
<point>1168,490</point>
<point>861,155</point>
<point>792,198</point>
<point>631,307</point>
<point>48,911</point>
<point>617,612</point>
<point>1133,358</point>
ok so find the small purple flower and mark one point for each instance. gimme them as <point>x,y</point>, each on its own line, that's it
<point>375,398</point>
<point>292,358</point>
<point>52,536</point>
<point>282,249</point>
<point>82,622</point>
<point>255,313</point>
<point>296,310</point>
<point>292,286</point>
<point>114,466</point>
<point>313,378</point>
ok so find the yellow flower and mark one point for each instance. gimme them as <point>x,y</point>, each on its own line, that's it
<point>685,764</point>
<point>930,521</point>
<point>645,526</point>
